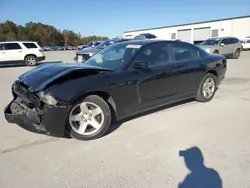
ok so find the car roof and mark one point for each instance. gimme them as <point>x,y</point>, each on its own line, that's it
<point>145,42</point>
<point>18,42</point>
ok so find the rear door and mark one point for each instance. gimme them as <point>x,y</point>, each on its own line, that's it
<point>188,70</point>
<point>14,51</point>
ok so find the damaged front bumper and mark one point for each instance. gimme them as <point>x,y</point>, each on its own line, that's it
<point>27,111</point>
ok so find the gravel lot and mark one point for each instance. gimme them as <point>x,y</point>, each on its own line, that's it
<point>142,152</point>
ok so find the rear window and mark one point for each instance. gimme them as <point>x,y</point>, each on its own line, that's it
<point>30,45</point>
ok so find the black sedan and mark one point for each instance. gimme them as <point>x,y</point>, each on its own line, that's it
<point>124,79</point>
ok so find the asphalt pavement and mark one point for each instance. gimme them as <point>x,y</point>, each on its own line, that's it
<point>141,152</point>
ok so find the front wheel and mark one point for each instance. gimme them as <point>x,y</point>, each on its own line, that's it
<point>89,119</point>
<point>207,88</point>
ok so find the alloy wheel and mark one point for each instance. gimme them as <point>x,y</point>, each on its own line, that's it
<point>208,88</point>
<point>86,118</point>
<point>31,61</point>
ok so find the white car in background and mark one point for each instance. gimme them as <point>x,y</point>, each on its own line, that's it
<point>28,52</point>
<point>245,43</point>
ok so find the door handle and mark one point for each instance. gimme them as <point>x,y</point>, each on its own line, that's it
<point>20,51</point>
<point>3,52</point>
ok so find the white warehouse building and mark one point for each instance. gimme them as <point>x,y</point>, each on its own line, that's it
<point>197,32</point>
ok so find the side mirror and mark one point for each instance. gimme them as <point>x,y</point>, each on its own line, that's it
<point>222,44</point>
<point>141,64</point>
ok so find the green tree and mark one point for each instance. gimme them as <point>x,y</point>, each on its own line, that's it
<point>43,34</point>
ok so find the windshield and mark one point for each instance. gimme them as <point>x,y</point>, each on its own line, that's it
<point>211,42</point>
<point>113,57</point>
<point>105,44</point>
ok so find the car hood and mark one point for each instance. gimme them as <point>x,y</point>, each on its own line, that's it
<point>88,50</point>
<point>46,75</point>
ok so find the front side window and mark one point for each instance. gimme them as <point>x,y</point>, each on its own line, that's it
<point>2,47</point>
<point>12,46</point>
<point>225,41</point>
<point>182,51</point>
<point>155,54</point>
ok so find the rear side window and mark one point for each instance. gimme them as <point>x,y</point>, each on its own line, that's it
<point>30,45</point>
<point>12,46</point>
<point>182,51</point>
<point>233,41</point>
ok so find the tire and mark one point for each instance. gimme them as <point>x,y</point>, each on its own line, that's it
<point>90,132</point>
<point>30,60</point>
<point>236,55</point>
<point>200,96</point>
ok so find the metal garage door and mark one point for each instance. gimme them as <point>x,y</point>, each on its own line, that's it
<point>184,35</point>
<point>201,34</point>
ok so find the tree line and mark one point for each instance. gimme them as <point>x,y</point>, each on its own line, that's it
<point>43,34</point>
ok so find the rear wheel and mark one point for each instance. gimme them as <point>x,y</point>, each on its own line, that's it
<point>207,88</point>
<point>89,119</point>
<point>30,60</point>
<point>236,55</point>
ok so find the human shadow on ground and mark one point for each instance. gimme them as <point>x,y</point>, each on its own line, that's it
<point>21,64</point>
<point>200,176</point>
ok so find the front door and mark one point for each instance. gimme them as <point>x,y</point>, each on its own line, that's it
<point>14,51</point>
<point>154,85</point>
<point>226,48</point>
<point>3,55</point>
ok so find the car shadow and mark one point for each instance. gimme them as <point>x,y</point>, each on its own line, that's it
<point>116,125</point>
<point>200,175</point>
<point>21,64</point>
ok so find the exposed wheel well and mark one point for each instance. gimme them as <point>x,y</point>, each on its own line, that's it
<point>212,72</point>
<point>109,99</point>
<point>30,55</point>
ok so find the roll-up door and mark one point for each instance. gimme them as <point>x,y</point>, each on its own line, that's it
<point>201,34</point>
<point>184,35</point>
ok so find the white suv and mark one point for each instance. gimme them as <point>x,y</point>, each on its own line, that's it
<point>25,51</point>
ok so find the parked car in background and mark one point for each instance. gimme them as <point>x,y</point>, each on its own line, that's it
<point>145,36</point>
<point>86,53</point>
<point>47,48</point>
<point>245,44</point>
<point>93,44</point>
<point>83,99</point>
<point>228,46</point>
<point>80,47</point>
<point>28,52</point>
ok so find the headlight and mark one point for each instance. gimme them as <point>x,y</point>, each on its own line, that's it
<point>46,98</point>
<point>208,50</point>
